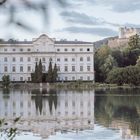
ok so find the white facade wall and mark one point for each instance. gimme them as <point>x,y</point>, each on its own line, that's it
<point>65,54</point>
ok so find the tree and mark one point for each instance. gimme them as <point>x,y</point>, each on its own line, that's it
<point>138,62</point>
<point>50,73</point>
<point>55,73</point>
<point>6,81</point>
<point>100,55</point>
<point>134,42</point>
<point>108,65</point>
<point>127,75</point>
<point>37,76</point>
<point>118,56</point>
<point>39,72</point>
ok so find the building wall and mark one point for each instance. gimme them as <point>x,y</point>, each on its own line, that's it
<point>124,35</point>
<point>74,60</point>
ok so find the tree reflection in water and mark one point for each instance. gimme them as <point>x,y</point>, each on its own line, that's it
<point>116,110</point>
<point>41,96</point>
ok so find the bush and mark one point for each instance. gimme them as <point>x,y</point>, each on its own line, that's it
<point>5,81</point>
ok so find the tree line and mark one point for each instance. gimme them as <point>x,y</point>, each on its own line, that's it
<point>120,65</point>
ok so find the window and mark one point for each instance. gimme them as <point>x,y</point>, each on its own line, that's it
<point>66,68</point>
<point>66,78</point>
<point>29,59</point>
<point>88,68</point>
<point>65,50</point>
<point>14,78</point>
<point>28,49</point>
<point>73,103</point>
<point>88,78</point>
<point>50,59</point>
<point>81,78</point>
<point>14,69</point>
<point>66,59</point>
<point>36,59</point>
<point>58,50</point>
<point>21,78</point>
<point>29,68</point>
<point>14,50</point>
<point>21,50</point>
<point>73,49</point>
<point>73,68</point>
<point>29,78</point>
<point>21,59</point>
<point>81,49</point>
<point>81,68</point>
<point>88,58</point>
<point>81,58</point>
<point>66,104</point>
<point>5,59</point>
<point>58,68</point>
<point>5,68</point>
<point>14,59</point>
<point>5,50</point>
<point>88,49</point>
<point>58,59</point>
<point>81,104</point>
<point>73,78</point>
<point>21,104</point>
<point>43,59</point>
<point>43,68</point>
<point>21,68</point>
<point>73,59</point>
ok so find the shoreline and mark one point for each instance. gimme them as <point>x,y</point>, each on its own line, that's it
<point>68,85</point>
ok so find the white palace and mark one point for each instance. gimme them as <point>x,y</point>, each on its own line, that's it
<point>74,59</point>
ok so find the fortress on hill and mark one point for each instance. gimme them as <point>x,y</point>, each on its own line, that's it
<point>123,38</point>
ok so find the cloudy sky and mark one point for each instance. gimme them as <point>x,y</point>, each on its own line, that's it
<point>87,20</point>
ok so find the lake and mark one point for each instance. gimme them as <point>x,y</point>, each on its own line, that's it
<point>45,114</point>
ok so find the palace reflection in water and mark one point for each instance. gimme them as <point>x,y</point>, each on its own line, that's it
<point>45,112</point>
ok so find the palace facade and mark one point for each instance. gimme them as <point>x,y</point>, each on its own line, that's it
<point>74,59</point>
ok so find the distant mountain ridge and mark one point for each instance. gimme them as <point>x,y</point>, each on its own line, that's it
<point>103,41</point>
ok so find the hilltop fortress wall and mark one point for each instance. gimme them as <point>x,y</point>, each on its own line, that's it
<point>123,38</point>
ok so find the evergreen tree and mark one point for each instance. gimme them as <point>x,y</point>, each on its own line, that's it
<point>55,73</point>
<point>50,73</point>
<point>39,72</point>
<point>36,73</point>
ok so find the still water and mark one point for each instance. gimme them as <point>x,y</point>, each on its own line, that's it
<point>70,115</point>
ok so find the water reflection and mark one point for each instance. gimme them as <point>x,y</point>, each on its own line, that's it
<point>49,112</point>
<point>119,111</point>
<point>46,112</point>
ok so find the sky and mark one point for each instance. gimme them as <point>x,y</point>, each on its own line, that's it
<point>85,20</point>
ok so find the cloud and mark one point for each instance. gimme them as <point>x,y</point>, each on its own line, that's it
<point>120,6</point>
<point>75,17</point>
<point>81,18</point>
<point>103,32</point>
